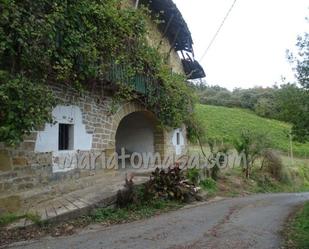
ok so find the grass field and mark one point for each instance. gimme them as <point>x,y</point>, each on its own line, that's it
<point>297,232</point>
<point>225,124</point>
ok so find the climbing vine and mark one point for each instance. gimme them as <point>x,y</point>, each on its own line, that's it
<point>24,106</point>
<point>76,42</point>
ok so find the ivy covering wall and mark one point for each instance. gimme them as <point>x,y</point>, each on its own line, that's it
<point>73,42</point>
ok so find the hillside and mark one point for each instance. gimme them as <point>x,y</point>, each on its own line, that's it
<point>224,123</point>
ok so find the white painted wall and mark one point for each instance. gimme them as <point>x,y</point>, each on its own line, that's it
<point>47,140</point>
<point>178,147</point>
<point>135,133</point>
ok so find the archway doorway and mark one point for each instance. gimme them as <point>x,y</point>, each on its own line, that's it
<point>135,133</point>
<point>139,131</point>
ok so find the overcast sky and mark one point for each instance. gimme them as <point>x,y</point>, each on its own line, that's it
<point>251,48</point>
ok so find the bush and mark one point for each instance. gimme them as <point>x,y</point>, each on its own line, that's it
<point>209,185</point>
<point>193,175</point>
<point>170,184</point>
<point>127,195</point>
<point>272,164</point>
<point>252,145</point>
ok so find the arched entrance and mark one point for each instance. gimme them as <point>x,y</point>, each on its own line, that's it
<point>135,129</point>
<point>136,133</point>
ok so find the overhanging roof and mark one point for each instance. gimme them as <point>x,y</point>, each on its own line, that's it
<point>176,28</point>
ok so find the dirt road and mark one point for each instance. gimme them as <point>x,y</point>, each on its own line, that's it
<point>247,222</point>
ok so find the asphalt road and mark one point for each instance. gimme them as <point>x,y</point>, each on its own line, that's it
<point>248,222</point>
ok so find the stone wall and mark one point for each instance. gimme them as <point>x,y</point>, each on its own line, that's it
<point>25,160</point>
<point>29,159</point>
<point>157,40</point>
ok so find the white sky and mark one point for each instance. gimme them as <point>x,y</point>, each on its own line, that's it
<point>251,48</point>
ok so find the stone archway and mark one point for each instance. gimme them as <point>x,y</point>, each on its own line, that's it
<point>125,124</point>
<point>135,133</point>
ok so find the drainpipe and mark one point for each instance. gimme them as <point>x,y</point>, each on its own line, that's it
<point>136,4</point>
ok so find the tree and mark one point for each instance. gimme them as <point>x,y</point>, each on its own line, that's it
<point>302,60</point>
<point>300,116</point>
<point>265,107</point>
<point>252,145</point>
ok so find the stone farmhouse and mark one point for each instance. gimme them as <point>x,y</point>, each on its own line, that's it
<point>84,125</point>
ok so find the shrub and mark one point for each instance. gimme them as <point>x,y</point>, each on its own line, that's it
<point>193,175</point>
<point>252,145</point>
<point>272,164</point>
<point>127,195</point>
<point>170,184</point>
<point>209,185</point>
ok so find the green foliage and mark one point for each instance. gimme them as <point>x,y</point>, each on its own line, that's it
<point>79,42</point>
<point>225,124</point>
<point>273,164</point>
<point>25,106</point>
<point>193,174</point>
<point>67,41</point>
<point>209,185</point>
<point>175,101</point>
<point>265,107</point>
<point>266,184</point>
<point>9,218</point>
<point>256,99</point>
<point>252,145</point>
<point>300,116</point>
<point>288,103</point>
<point>300,175</point>
<point>196,130</point>
<point>171,184</point>
<point>133,212</point>
<point>301,60</point>
<point>112,214</point>
<point>297,234</point>
<point>294,108</point>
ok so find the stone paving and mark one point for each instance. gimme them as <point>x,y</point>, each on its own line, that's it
<point>99,190</point>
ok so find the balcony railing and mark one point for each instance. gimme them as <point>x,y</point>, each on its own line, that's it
<point>141,83</point>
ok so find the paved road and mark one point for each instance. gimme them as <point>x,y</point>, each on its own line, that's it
<point>249,222</point>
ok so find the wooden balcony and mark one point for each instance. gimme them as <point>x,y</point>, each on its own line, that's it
<point>141,83</point>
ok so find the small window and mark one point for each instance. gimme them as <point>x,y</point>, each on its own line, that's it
<point>178,138</point>
<point>65,141</point>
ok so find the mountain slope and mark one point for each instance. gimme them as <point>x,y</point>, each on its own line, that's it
<point>225,124</point>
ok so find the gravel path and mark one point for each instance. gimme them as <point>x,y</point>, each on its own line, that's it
<point>247,222</point>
